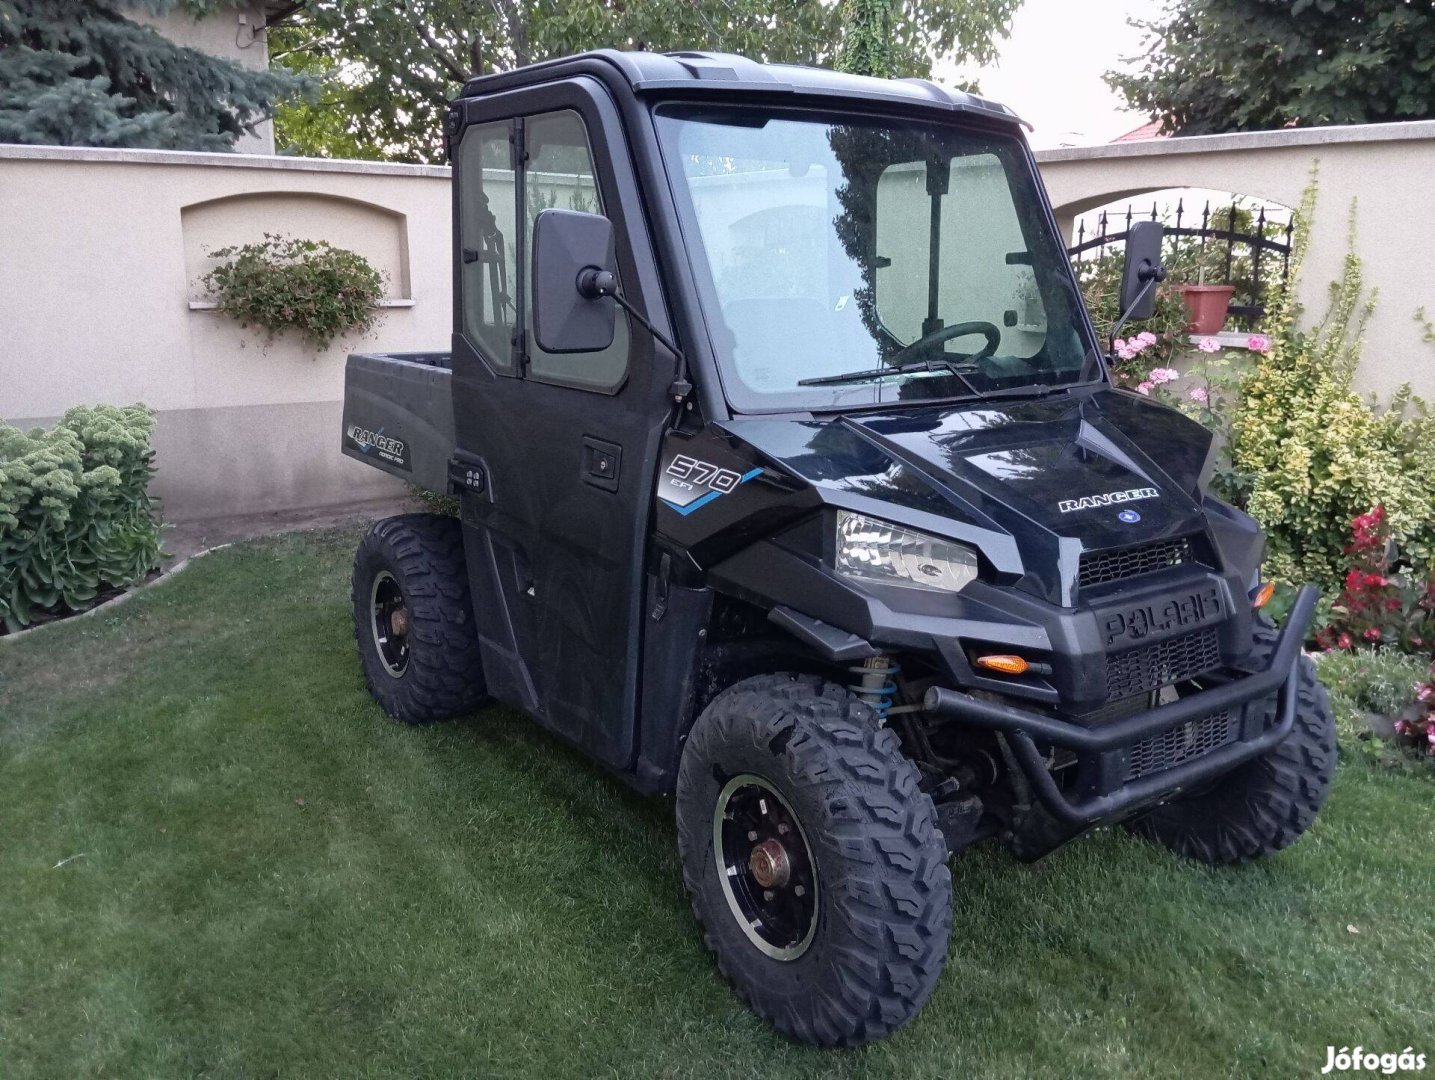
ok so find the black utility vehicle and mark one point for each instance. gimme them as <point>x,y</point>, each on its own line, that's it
<point>791,481</point>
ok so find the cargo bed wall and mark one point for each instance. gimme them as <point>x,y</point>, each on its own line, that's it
<point>398,415</point>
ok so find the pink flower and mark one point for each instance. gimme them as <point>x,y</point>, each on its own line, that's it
<point>1198,393</point>
<point>1146,338</point>
<point>1163,375</point>
<point>1373,634</point>
<point>1208,345</point>
<point>1144,388</point>
<point>1345,641</point>
<point>1402,727</point>
<point>1427,692</point>
<point>1258,343</point>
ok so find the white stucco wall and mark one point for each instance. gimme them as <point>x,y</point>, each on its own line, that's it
<point>99,255</point>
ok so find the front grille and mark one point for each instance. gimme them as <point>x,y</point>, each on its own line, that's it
<point>1099,567</point>
<point>1171,748</point>
<point>1150,667</point>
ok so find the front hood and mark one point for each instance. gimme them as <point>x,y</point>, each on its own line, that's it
<point>1030,483</point>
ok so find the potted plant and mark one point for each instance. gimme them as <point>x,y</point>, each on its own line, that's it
<point>1207,304</point>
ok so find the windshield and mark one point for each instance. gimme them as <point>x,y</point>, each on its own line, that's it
<point>865,261</point>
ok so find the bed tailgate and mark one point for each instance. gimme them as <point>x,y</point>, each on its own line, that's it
<point>398,415</point>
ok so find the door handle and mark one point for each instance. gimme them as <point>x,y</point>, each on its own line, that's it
<point>602,463</point>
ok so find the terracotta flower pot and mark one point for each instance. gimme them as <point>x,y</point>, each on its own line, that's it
<point>1208,305</point>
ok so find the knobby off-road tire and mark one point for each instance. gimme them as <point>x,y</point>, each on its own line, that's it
<point>1265,804</point>
<point>881,888</point>
<point>412,568</point>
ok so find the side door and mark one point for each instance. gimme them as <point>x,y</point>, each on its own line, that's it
<point>564,447</point>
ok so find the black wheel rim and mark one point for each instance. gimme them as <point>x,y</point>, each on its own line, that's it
<point>391,624</point>
<point>765,866</point>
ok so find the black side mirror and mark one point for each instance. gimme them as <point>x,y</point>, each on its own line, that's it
<point>1142,271</point>
<point>573,282</point>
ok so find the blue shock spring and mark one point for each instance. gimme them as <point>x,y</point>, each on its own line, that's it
<point>875,685</point>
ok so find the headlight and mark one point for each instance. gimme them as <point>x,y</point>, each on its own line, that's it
<point>872,550</point>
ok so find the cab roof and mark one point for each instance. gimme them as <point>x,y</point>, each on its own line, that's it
<point>727,75</point>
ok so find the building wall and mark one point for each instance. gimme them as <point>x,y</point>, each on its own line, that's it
<point>231,32</point>
<point>1381,177</point>
<point>100,252</point>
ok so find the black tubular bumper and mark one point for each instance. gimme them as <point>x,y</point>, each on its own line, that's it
<point>1023,728</point>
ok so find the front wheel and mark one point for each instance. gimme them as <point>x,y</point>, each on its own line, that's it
<point>813,860</point>
<point>1265,804</point>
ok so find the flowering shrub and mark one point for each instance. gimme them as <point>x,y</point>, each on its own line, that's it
<point>75,512</point>
<point>1161,336</point>
<point>1315,454</point>
<point>1415,726</point>
<point>1209,395</point>
<point>1379,605</point>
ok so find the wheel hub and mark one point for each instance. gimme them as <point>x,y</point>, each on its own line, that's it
<point>765,866</point>
<point>769,864</point>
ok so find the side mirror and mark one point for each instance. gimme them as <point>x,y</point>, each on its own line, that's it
<point>573,282</point>
<point>1143,267</point>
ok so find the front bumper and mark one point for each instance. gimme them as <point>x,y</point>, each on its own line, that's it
<point>1028,732</point>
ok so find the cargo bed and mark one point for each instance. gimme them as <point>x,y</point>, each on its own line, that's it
<point>398,415</point>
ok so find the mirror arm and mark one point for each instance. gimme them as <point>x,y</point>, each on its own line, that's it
<point>594,284</point>
<point>1152,276</point>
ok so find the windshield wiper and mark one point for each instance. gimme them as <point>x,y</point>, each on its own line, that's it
<point>950,367</point>
<point>1033,390</point>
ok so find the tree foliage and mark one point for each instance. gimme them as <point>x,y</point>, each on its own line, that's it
<point>392,67</point>
<point>1247,65</point>
<point>80,73</point>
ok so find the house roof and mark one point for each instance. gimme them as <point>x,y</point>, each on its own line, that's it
<point>1149,130</point>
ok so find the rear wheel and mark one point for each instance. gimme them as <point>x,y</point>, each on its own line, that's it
<point>413,620</point>
<point>813,860</point>
<point>1265,804</point>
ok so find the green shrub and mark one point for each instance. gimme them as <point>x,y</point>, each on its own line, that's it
<point>435,502</point>
<point>75,511</point>
<point>1316,454</point>
<point>306,285</point>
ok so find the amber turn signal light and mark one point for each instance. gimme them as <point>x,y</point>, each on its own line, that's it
<point>1262,596</point>
<point>1007,665</point>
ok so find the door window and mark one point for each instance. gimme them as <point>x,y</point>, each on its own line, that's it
<point>488,219</point>
<point>559,174</point>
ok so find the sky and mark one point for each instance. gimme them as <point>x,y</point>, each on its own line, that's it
<point>1050,69</point>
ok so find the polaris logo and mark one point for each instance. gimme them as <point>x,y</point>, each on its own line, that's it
<point>1093,502</point>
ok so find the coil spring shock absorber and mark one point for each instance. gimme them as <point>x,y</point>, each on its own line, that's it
<point>875,685</point>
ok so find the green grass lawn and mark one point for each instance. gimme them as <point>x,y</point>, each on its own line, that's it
<point>266,877</point>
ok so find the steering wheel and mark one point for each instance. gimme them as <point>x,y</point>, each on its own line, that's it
<point>990,330</point>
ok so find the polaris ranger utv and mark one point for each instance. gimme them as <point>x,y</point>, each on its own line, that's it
<point>792,482</point>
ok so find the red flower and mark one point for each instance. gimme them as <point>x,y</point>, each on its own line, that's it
<point>1345,642</point>
<point>1373,634</point>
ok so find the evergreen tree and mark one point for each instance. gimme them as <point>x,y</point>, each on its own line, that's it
<point>79,73</point>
